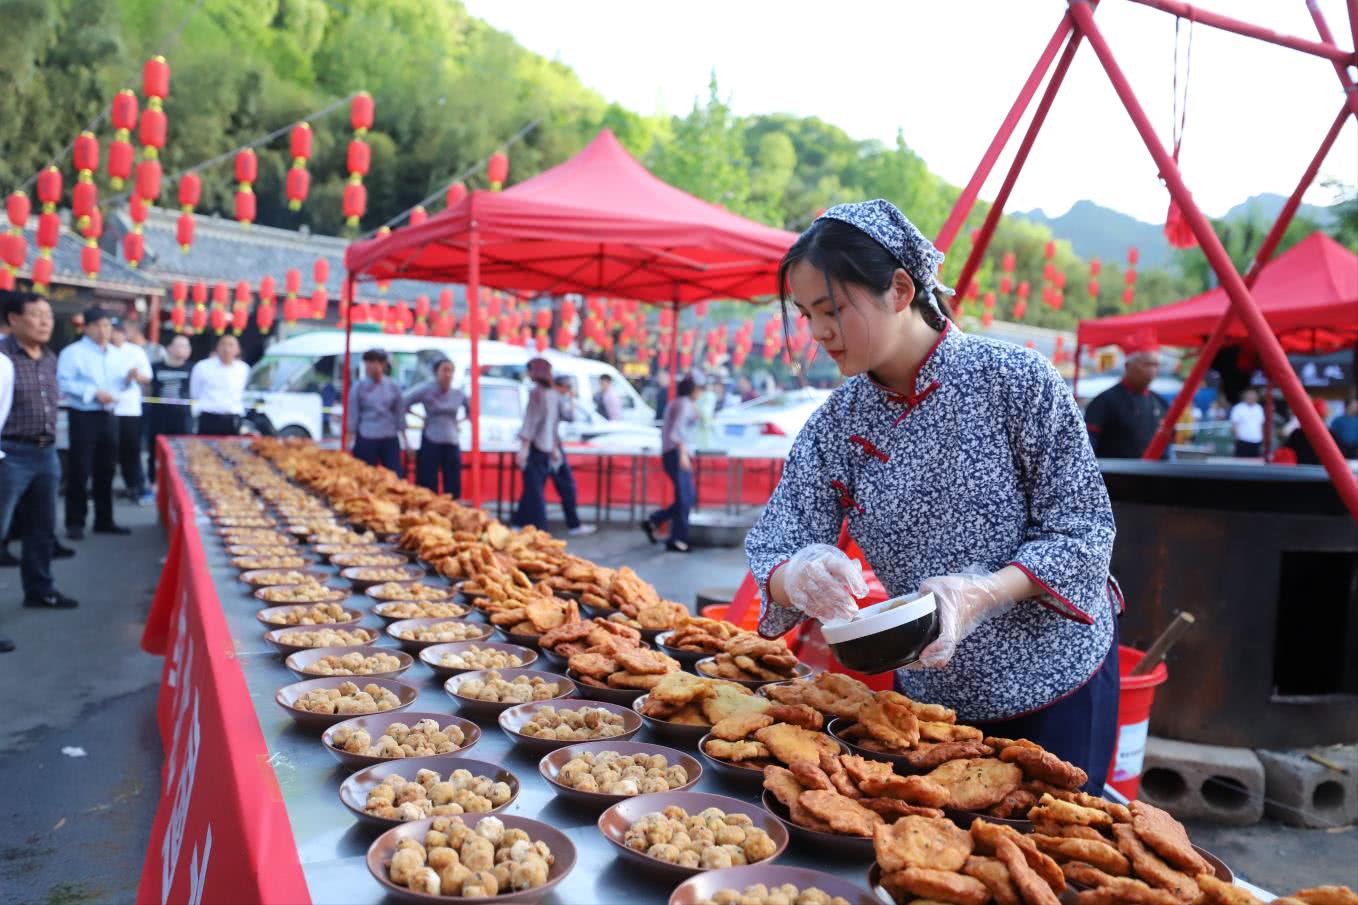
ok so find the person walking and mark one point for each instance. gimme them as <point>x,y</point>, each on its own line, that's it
<point>439,453</point>
<point>377,414</point>
<point>90,376</point>
<point>128,412</point>
<point>169,383</point>
<point>607,402</point>
<point>217,388</point>
<point>30,471</point>
<point>540,452</point>
<point>1247,425</point>
<point>563,479</point>
<point>676,445</point>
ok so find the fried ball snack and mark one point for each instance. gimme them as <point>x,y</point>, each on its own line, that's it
<point>481,658</point>
<point>1166,837</point>
<point>317,614</point>
<point>622,774</point>
<point>493,687</point>
<point>481,861</point>
<point>976,783</point>
<point>309,591</point>
<point>398,590</point>
<point>443,631</point>
<point>325,637</point>
<point>430,795</point>
<point>934,844</point>
<point>573,724</point>
<point>348,698</point>
<point>424,739</point>
<point>786,894</point>
<point>353,664</point>
<point>710,839</point>
<point>269,561</point>
<point>420,609</point>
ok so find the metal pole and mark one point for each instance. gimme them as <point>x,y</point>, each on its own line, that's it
<point>348,333</point>
<point>1261,257</point>
<point>1270,350</point>
<point>967,200</point>
<point>1323,29</point>
<point>1249,30</point>
<point>1020,158</point>
<point>474,315</point>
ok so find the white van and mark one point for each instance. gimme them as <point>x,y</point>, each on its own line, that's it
<point>297,379</point>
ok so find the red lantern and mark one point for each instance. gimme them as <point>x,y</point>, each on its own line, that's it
<point>177,317</point>
<point>299,143</point>
<point>1049,272</point>
<point>1095,266</point>
<point>124,120</point>
<point>1094,288</point>
<point>298,183</point>
<point>119,163</point>
<point>151,132</point>
<point>292,281</point>
<point>418,215</point>
<point>358,313</point>
<point>290,305</point>
<point>989,301</point>
<point>247,166</point>
<point>1128,295</point>
<point>1020,309</point>
<point>1133,256</point>
<point>18,209</point>
<point>134,246</point>
<point>148,179</point>
<point>220,293</point>
<point>183,232</point>
<point>264,318</point>
<point>355,202</point>
<point>1130,277</point>
<point>456,192</point>
<point>49,188</point>
<point>540,343</point>
<point>320,301</point>
<point>298,186</point>
<point>124,113</point>
<point>1050,251</point>
<point>1022,290</point>
<point>543,318</point>
<point>1059,278</point>
<point>567,310</point>
<point>245,205</point>
<point>198,320</point>
<point>49,231</point>
<point>359,158</point>
<point>267,288</point>
<point>421,328</point>
<point>1006,284</point>
<point>1007,262</point>
<point>6,280</point>
<point>243,292</point>
<point>240,319</point>
<point>421,306</point>
<point>155,77</point>
<point>320,271</point>
<point>218,320</point>
<point>90,260</point>
<point>199,293</point>
<point>42,273</point>
<point>361,112</point>
<point>987,318</point>
<point>497,170</point>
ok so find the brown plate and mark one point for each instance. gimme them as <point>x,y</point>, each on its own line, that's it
<point>335,596</point>
<point>615,821</point>
<point>596,612</point>
<point>325,551</point>
<point>360,584</point>
<point>387,557</point>
<point>385,846</point>
<point>686,657</point>
<point>275,637</point>
<point>308,720</point>
<point>735,770</point>
<point>431,656</point>
<point>964,819</point>
<point>551,764</point>
<point>838,723</point>
<point>349,618</point>
<point>838,845</point>
<point>282,549</point>
<point>236,521</point>
<point>376,725</point>
<point>449,592</point>
<point>353,792</point>
<point>491,709</point>
<point>380,610</point>
<point>533,642</point>
<point>515,718</point>
<point>412,646</point>
<point>287,553</point>
<point>705,885</point>
<point>623,696</point>
<point>259,578</point>
<point>299,661</point>
<point>801,671</point>
<point>681,733</point>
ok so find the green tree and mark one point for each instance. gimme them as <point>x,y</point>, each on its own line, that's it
<point>706,155</point>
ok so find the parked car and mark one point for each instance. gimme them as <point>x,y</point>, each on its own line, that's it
<point>767,424</point>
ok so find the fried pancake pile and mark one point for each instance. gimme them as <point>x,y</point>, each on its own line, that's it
<point>621,665</point>
<point>681,697</point>
<point>850,795</point>
<point>750,658</point>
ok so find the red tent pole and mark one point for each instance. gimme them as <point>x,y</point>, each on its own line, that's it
<point>1323,29</point>
<point>1075,378</point>
<point>1270,350</point>
<point>1250,30</point>
<point>674,349</point>
<point>1020,158</point>
<point>1262,257</point>
<point>474,316</point>
<point>1353,23</point>
<point>967,200</point>
<point>348,333</point>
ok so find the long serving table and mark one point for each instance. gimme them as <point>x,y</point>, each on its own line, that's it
<point>270,789</point>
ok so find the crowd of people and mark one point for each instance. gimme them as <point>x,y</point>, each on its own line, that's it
<point>120,392</point>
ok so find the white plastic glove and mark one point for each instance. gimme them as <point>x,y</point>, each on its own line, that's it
<point>964,602</point>
<point>823,582</point>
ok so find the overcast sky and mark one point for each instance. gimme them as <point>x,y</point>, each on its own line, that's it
<point>946,73</point>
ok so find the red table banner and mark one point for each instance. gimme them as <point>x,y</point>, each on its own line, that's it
<point>221,832</point>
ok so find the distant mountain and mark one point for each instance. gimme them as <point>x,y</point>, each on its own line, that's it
<point>1268,206</point>
<point>1096,231</point>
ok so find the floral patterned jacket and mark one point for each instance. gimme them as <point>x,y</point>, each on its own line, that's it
<point>987,463</point>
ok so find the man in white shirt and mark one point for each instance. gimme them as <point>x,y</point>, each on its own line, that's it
<point>136,368</point>
<point>1247,426</point>
<point>217,388</point>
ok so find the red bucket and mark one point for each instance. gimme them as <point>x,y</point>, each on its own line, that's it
<point>1134,721</point>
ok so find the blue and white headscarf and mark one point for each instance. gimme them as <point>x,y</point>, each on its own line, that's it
<point>891,229</point>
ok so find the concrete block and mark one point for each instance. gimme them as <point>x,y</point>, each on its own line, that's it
<point>1302,792</point>
<point>1204,782</point>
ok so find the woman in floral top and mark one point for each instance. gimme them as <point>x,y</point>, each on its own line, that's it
<point>963,468</point>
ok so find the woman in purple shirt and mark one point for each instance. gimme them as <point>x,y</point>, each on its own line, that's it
<point>439,451</point>
<point>676,446</point>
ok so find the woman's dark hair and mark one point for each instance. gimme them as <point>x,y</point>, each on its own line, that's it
<point>375,355</point>
<point>440,362</point>
<point>686,387</point>
<point>846,256</point>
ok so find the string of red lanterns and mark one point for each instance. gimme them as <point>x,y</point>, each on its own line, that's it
<point>359,157</point>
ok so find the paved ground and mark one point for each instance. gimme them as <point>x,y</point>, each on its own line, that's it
<point>75,829</point>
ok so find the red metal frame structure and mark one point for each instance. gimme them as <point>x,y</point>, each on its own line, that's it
<point>1077,25</point>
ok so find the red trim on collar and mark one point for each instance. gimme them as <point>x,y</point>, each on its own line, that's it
<point>868,447</point>
<point>1071,611</point>
<point>845,498</point>
<point>914,398</point>
<point>1142,392</point>
<point>912,404</point>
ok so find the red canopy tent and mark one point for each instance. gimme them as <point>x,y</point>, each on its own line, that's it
<point>598,223</point>
<point>1308,296</point>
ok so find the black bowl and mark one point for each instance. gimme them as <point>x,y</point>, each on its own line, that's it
<point>886,635</point>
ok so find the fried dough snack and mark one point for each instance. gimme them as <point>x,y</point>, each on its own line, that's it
<point>833,694</point>
<point>977,783</point>
<point>681,697</point>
